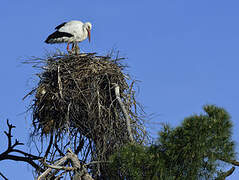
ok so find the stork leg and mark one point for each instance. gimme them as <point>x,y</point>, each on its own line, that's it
<point>77,49</point>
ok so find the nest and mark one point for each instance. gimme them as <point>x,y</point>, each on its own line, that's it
<point>76,94</point>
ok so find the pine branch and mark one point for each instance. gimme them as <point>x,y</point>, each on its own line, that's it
<point>226,174</point>
<point>233,162</point>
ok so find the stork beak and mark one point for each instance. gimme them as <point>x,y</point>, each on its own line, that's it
<point>88,34</point>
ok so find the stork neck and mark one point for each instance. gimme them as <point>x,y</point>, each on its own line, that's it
<point>84,29</point>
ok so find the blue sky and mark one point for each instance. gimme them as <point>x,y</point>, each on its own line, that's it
<point>184,52</point>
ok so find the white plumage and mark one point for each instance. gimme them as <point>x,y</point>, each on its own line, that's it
<point>70,32</point>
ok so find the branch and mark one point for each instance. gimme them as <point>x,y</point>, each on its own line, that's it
<point>96,162</point>
<point>57,148</point>
<point>59,81</point>
<point>33,157</point>
<point>82,171</point>
<point>9,134</point>
<point>230,171</point>
<point>81,145</point>
<point>58,163</point>
<point>233,162</point>
<point>117,93</point>
<point>29,158</point>
<point>4,177</point>
<point>49,146</point>
<point>79,169</point>
<point>57,167</point>
<point>226,174</point>
<point>24,159</point>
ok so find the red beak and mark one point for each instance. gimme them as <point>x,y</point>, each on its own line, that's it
<point>88,34</point>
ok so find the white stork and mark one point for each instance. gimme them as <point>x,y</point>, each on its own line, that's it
<point>70,32</point>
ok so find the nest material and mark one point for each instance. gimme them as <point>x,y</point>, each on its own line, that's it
<point>76,94</point>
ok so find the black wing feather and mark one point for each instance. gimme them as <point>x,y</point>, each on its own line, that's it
<point>56,35</point>
<point>61,25</point>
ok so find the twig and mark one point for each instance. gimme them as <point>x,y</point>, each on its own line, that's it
<point>59,81</point>
<point>80,146</point>
<point>49,146</point>
<point>9,135</point>
<point>4,177</point>
<point>57,148</point>
<point>60,175</point>
<point>68,118</point>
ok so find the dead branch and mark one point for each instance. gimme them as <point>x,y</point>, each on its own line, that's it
<point>57,167</point>
<point>79,169</point>
<point>26,157</point>
<point>58,163</point>
<point>127,117</point>
<point>3,176</point>
<point>59,81</point>
<point>49,146</point>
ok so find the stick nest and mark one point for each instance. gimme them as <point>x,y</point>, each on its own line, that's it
<point>76,96</point>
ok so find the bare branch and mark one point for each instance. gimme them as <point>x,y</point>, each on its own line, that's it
<point>29,158</point>
<point>4,177</point>
<point>59,81</point>
<point>49,146</point>
<point>78,168</point>
<point>24,159</point>
<point>57,148</point>
<point>58,163</point>
<point>80,146</point>
<point>57,167</point>
<point>9,134</point>
<point>33,157</point>
<point>117,93</point>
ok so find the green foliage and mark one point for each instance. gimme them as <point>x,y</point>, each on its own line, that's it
<point>135,162</point>
<point>195,147</point>
<point>193,150</point>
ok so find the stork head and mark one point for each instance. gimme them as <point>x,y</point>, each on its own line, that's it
<point>88,27</point>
